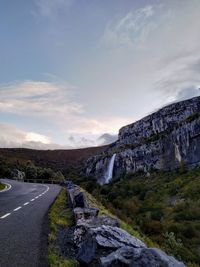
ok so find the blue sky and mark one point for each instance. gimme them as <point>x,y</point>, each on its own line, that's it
<point>72,70</point>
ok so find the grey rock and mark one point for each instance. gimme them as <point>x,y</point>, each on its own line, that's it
<point>18,175</point>
<point>139,257</point>
<point>121,257</point>
<point>76,197</point>
<point>85,213</point>
<point>82,226</point>
<point>162,140</point>
<point>99,221</point>
<point>105,239</point>
<point>114,237</point>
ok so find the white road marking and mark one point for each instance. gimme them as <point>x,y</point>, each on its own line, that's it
<point>25,204</point>
<point>18,208</point>
<point>6,215</point>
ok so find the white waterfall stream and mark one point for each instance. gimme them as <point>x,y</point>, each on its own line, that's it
<point>109,171</point>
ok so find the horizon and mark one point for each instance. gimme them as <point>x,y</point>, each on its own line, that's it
<point>74,72</point>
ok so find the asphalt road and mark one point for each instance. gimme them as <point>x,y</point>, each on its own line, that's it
<point>24,224</point>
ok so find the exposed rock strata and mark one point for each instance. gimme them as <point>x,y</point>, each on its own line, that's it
<point>163,140</point>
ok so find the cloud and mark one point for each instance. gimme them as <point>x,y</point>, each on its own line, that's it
<point>99,125</point>
<point>11,136</point>
<point>188,93</point>
<point>130,29</point>
<point>79,141</point>
<point>38,98</point>
<point>52,102</point>
<point>51,8</point>
<point>180,79</point>
<point>106,139</point>
<point>157,51</point>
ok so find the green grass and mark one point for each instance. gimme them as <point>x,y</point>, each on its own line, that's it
<point>2,186</point>
<point>60,216</point>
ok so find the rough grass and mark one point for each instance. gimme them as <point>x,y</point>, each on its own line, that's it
<point>2,186</point>
<point>165,207</point>
<point>59,216</point>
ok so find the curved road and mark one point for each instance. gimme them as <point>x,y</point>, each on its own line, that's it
<point>24,223</point>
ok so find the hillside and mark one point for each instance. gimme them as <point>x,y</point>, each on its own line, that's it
<point>165,207</point>
<point>61,160</point>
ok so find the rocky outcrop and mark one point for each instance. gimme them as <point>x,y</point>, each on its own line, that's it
<point>163,140</point>
<point>101,242</point>
<point>18,175</point>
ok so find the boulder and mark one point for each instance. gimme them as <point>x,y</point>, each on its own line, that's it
<point>18,175</point>
<point>76,197</point>
<point>114,237</point>
<point>139,257</point>
<point>82,226</point>
<point>104,239</point>
<point>85,213</point>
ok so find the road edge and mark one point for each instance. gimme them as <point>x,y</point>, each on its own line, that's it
<point>45,230</point>
<point>8,187</point>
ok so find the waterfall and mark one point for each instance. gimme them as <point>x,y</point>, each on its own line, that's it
<point>109,171</point>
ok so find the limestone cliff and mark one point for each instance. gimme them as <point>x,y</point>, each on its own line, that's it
<point>163,140</point>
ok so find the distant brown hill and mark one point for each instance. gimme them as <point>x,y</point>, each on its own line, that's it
<point>56,159</point>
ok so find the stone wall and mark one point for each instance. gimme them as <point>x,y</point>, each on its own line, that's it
<point>101,242</point>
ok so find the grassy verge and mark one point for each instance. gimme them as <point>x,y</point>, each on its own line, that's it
<point>2,186</point>
<point>60,216</point>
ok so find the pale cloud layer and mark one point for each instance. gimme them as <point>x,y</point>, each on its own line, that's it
<point>39,98</point>
<point>10,136</point>
<point>111,63</point>
<point>164,44</point>
<point>53,102</point>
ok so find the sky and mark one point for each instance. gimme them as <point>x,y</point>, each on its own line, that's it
<point>73,72</point>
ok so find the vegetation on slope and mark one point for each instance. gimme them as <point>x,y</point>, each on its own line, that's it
<point>164,207</point>
<point>2,186</point>
<point>57,160</point>
<point>130,229</point>
<point>32,172</point>
<point>60,216</point>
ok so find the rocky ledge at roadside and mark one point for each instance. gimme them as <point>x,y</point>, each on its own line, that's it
<point>99,241</point>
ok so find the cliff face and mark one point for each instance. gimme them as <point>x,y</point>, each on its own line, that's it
<point>163,140</point>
